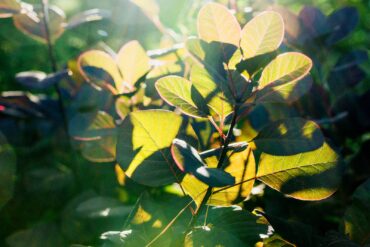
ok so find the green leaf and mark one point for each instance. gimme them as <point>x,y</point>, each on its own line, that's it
<point>356,220</point>
<point>180,92</point>
<point>295,232</point>
<point>149,218</point>
<point>217,23</point>
<point>285,68</point>
<point>133,62</point>
<point>240,165</point>
<point>143,147</point>
<point>101,207</point>
<point>7,171</point>
<point>44,234</point>
<point>91,126</point>
<point>263,34</point>
<point>31,23</point>
<point>226,226</point>
<point>288,92</point>
<point>309,176</point>
<point>289,136</point>
<point>100,150</point>
<point>188,160</point>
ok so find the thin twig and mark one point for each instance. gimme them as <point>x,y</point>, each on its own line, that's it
<point>53,62</point>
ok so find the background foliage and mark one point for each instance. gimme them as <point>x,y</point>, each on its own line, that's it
<point>61,191</point>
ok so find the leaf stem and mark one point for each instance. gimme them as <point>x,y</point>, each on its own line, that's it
<point>219,165</point>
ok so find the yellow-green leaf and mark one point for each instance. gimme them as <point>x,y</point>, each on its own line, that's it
<point>289,136</point>
<point>308,176</point>
<point>188,160</point>
<point>179,92</point>
<point>100,68</point>
<point>263,34</point>
<point>217,23</point>
<point>285,68</point>
<point>133,62</point>
<point>143,147</point>
<point>240,165</point>
<point>285,93</point>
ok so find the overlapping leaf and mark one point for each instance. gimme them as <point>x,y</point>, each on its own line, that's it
<point>226,226</point>
<point>289,136</point>
<point>313,175</point>
<point>143,148</point>
<point>189,161</point>
<point>263,34</point>
<point>285,68</point>
<point>118,74</point>
<point>180,92</point>
<point>32,23</point>
<point>217,24</point>
<point>241,165</point>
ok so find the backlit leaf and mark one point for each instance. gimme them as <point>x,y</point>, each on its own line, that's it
<point>311,175</point>
<point>143,147</point>
<point>32,23</point>
<point>240,165</point>
<point>285,93</point>
<point>216,23</point>
<point>189,161</point>
<point>263,34</point>
<point>133,62</point>
<point>100,68</point>
<point>180,92</point>
<point>285,68</point>
<point>289,136</point>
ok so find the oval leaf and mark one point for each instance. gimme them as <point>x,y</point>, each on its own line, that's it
<point>143,148</point>
<point>289,136</point>
<point>216,23</point>
<point>240,165</point>
<point>100,68</point>
<point>188,160</point>
<point>263,34</point>
<point>308,176</point>
<point>285,68</point>
<point>32,23</point>
<point>179,92</point>
<point>133,62</point>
